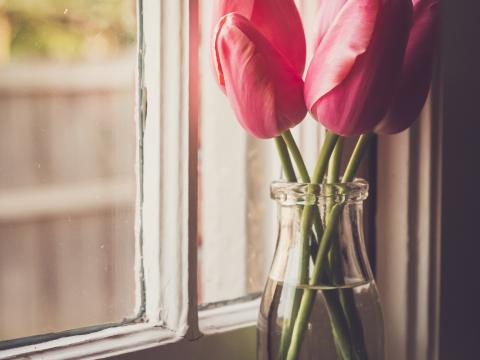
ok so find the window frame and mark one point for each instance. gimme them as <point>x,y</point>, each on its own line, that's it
<point>168,138</point>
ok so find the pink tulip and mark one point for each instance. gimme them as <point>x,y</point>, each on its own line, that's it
<point>278,20</point>
<point>264,90</point>
<point>357,64</point>
<point>417,69</point>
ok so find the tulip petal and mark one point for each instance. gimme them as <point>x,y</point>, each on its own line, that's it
<point>360,84</point>
<point>327,11</point>
<point>347,38</point>
<point>417,69</point>
<point>224,7</point>
<point>265,91</point>
<point>278,20</point>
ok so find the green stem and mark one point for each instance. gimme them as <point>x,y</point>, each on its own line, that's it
<point>324,157</point>
<point>318,175</point>
<point>320,265</point>
<point>356,158</point>
<point>306,224</point>
<point>338,316</point>
<point>307,213</point>
<point>290,177</point>
<point>345,296</point>
<point>335,161</point>
<point>339,325</point>
<point>285,159</point>
<point>332,178</point>
<point>333,175</point>
<point>305,177</point>
<point>297,156</point>
<point>354,322</point>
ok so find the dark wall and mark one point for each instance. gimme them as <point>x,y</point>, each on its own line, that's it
<point>459,102</point>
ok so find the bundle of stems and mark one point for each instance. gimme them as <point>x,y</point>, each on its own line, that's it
<point>322,246</point>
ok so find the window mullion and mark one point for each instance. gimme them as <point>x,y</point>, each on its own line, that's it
<point>169,211</point>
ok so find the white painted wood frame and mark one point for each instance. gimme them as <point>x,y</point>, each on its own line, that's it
<point>170,323</point>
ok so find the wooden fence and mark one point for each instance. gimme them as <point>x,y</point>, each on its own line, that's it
<point>67,190</point>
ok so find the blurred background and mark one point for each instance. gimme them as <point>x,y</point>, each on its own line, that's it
<point>67,156</point>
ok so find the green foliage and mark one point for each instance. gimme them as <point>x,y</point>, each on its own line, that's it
<point>69,29</point>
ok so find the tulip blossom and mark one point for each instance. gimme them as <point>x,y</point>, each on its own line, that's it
<point>264,89</point>
<point>278,20</point>
<point>417,69</point>
<point>357,63</point>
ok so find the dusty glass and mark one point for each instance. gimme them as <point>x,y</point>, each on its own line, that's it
<point>67,165</point>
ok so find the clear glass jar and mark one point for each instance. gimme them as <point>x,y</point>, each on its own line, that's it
<point>320,300</point>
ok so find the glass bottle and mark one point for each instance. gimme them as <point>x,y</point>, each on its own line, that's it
<point>320,300</point>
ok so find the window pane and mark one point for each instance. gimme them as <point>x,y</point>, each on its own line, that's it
<point>236,214</point>
<point>67,154</point>
<point>237,217</point>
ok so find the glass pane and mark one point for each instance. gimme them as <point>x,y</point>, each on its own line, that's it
<point>67,154</point>
<point>237,217</point>
<point>235,212</point>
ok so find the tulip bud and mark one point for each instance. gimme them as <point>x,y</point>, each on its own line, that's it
<point>264,90</point>
<point>278,20</point>
<point>417,69</point>
<point>356,66</point>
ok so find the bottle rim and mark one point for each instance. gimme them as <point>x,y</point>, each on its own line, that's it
<point>288,193</point>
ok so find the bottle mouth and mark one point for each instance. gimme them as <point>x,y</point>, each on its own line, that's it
<point>286,193</point>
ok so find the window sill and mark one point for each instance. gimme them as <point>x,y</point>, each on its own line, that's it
<point>130,339</point>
